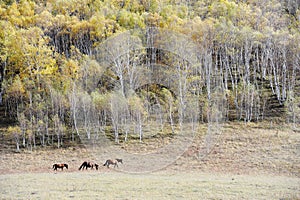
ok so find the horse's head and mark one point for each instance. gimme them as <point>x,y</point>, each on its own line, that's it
<point>66,165</point>
<point>119,160</point>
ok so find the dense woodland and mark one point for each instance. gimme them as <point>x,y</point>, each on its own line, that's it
<point>73,68</point>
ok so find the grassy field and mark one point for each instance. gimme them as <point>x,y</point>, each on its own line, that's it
<point>114,185</point>
<point>253,161</point>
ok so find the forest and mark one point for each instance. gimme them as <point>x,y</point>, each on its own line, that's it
<point>81,68</point>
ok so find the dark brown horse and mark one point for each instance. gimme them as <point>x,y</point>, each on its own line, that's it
<point>86,165</point>
<point>61,165</point>
<point>113,162</point>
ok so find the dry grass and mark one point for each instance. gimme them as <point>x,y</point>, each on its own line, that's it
<point>253,161</point>
<point>113,185</point>
<point>249,149</point>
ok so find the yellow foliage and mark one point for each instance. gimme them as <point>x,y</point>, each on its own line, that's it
<point>71,69</point>
<point>136,105</point>
<point>16,89</point>
<point>44,19</point>
<point>14,130</point>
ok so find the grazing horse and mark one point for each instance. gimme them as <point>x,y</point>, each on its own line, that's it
<point>113,162</point>
<point>86,165</point>
<point>55,166</point>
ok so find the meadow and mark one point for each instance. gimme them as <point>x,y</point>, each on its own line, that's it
<point>116,185</point>
<point>252,161</point>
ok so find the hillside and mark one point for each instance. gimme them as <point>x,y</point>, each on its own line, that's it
<point>129,69</point>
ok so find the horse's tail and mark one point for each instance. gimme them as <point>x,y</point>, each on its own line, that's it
<point>105,163</point>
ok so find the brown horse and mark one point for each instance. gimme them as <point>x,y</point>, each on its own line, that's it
<point>55,166</point>
<point>113,162</point>
<point>86,165</point>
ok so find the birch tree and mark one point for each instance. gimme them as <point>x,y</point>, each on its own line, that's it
<point>138,114</point>
<point>16,132</point>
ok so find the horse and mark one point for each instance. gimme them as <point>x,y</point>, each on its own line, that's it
<point>86,165</point>
<point>62,165</point>
<point>113,162</point>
